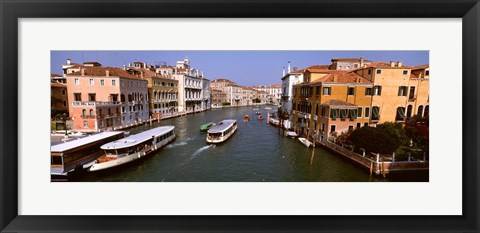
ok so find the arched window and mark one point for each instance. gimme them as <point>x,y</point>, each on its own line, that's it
<point>427,108</point>
<point>420,110</point>
<point>91,112</point>
<point>85,124</point>
<point>84,112</point>
<point>400,114</point>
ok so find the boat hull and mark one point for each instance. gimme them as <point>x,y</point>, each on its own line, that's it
<point>224,138</point>
<point>130,157</point>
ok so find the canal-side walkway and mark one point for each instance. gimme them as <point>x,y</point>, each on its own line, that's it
<point>376,166</point>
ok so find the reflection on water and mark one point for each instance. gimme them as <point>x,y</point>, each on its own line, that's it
<point>256,152</point>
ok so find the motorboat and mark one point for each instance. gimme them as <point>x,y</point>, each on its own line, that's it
<point>222,131</point>
<point>305,142</point>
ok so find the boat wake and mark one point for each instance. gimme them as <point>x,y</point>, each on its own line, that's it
<point>201,150</point>
<point>181,143</point>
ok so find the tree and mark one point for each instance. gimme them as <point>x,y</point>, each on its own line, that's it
<point>377,140</point>
<point>417,129</point>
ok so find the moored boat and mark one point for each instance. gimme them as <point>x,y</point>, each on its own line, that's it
<point>260,118</point>
<point>222,131</point>
<point>246,118</point>
<point>78,154</point>
<point>268,108</point>
<point>134,147</point>
<point>305,142</point>
<point>258,113</point>
<point>206,127</point>
<point>291,134</point>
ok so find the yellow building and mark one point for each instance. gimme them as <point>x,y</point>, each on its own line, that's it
<point>330,102</point>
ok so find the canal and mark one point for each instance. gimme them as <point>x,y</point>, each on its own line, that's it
<point>257,152</point>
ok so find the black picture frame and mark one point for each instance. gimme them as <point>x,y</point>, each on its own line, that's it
<point>11,11</point>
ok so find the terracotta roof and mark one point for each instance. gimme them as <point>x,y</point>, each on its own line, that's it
<point>420,67</point>
<point>57,84</point>
<point>386,65</point>
<point>56,75</point>
<point>332,103</point>
<point>350,59</point>
<point>324,67</point>
<point>342,77</point>
<point>101,71</point>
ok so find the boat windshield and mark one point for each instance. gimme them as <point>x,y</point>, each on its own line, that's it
<point>214,135</point>
<point>111,153</point>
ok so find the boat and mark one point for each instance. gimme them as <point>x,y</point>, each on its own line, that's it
<point>274,121</point>
<point>205,127</point>
<point>255,108</point>
<point>260,118</point>
<point>78,154</point>
<point>258,113</point>
<point>246,118</point>
<point>291,134</point>
<point>268,108</point>
<point>222,131</point>
<point>305,142</point>
<point>134,147</point>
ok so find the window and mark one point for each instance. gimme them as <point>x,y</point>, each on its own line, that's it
<point>332,128</point>
<point>77,96</point>
<point>405,72</point>
<point>368,91</point>
<point>365,124</point>
<point>379,71</point>
<point>350,128</point>
<point>352,113</point>
<point>400,114</point>
<point>360,112</point>
<point>91,113</point>
<point>317,90</point>
<point>343,114</point>
<point>426,111</point>
<point>348,67</point>
<point>367,112</point>
<point>359,125</point>
<point>77,82</point>
<point>102,82</point>
<point>409,111</point>
<point>64,103</point>
<point>355,66</point>
<point>324,110</point>
<point>327,90</point>
<point>64,92</point>
<point>412,93</point>
<point>85,124</point>
<point>333,113</point>
<point>369,71</point>
<point>402,91</point>
<point>114,82</point>
<point>427,72</point>
<point>84,112</point>
<point>351,91</point>
<point>420,110</point>
<point>91,81</point>
<point>375,113</point>
<point>377,90</point>
<point>323,127</point>
<point>91,97</point>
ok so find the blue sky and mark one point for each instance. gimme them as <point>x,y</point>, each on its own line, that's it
<point>243,67</point>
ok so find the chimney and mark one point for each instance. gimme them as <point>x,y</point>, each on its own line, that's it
<point>288,67</point>
<point>392,64</point>
<point>124,67</point>
<point>335,78</point>
<point>361,61</point>
<point>107,73</point>
<point>399,64</point>
<point>82,71</point>
<point>69,61</point>
<point>295,68</point>
<point>144,65</point>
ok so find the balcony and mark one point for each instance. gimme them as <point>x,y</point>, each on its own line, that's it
<point>94,103</point>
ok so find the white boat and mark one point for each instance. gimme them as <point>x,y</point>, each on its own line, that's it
<point>274,121</point>
<point>268,108</point>
<point>134,147</point>
<point>222,131</point>
<point>305,142</point>
<point>291,134</point>
<point>78,154</point>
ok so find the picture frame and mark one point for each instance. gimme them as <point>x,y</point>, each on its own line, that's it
<point>11,11</point>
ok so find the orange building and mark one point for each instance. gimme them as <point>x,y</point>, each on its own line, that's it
<point>59,100</point>
<point>330,102</point>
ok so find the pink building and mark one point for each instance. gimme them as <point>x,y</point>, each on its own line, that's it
<point>105,98</point>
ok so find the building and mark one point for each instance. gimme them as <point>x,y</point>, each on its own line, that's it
<point>330,102</point>
<point>274,93</point>
<point>218,98</point>
<point>348,63</point>
<point>59,97</point>
<point>104,98</point>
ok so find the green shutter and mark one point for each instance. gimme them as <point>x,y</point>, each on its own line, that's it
<point>343,113</point>
<point>353,113</point>
<point>333,113</point>
<point>401,112</point>
<point>375,112</point>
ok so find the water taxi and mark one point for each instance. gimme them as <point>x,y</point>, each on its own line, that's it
<point>222,131</point>
<point>206,127</point>
<point>78,154</point>
<point>134,147</point>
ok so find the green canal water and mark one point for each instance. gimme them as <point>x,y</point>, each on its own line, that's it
<point>257,152</point>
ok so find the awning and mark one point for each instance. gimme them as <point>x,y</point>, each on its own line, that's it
<point>375,112</point>
<point>343,113</point>
<point>333,113</point>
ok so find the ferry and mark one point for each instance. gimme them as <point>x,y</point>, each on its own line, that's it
<point>222,131</point>
<point>78,154</point>
<point>134,147</point>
